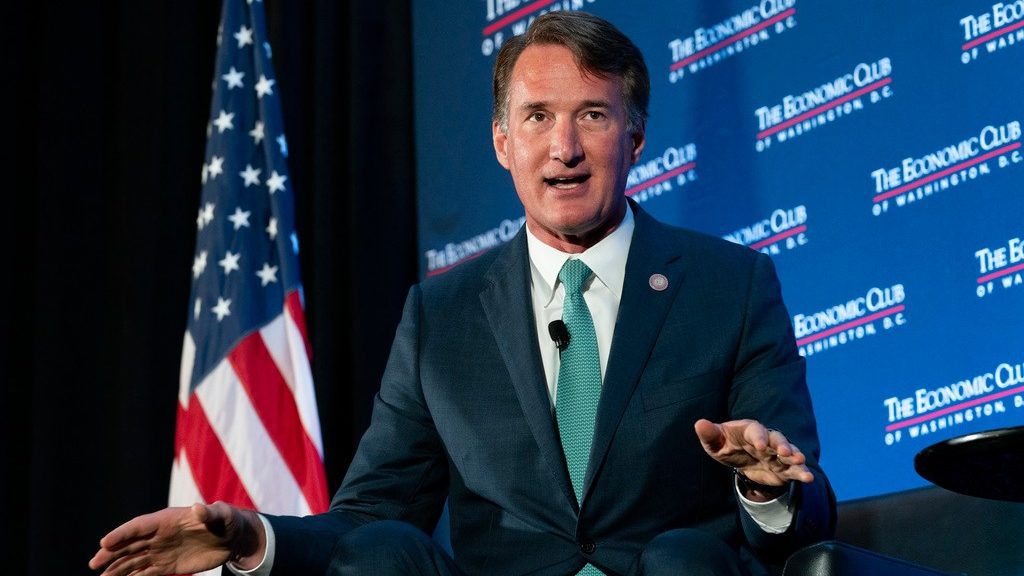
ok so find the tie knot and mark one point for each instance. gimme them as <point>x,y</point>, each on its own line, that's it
<point>573,274</point>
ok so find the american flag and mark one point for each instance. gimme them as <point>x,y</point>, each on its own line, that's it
<point>248,432</point>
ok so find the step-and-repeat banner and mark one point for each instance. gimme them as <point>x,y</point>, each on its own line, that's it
<point>872,148</point>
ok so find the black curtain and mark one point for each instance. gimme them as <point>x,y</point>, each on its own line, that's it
<point>108,104</point>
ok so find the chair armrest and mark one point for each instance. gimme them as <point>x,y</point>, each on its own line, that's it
<point>834,558</point>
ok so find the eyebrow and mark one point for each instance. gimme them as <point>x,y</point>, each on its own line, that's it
<point>540,105</point>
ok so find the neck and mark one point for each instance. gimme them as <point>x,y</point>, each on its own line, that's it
<point>578,243</point>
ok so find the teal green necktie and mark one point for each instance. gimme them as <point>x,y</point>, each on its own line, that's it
<point>579,381</point>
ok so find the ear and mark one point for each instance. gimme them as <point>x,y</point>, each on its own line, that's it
<point>639,140</point>
<point>500,139</point>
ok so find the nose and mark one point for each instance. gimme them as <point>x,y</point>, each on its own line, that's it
<point>565,143</point>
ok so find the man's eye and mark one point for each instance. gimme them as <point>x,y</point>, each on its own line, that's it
<point>595,115</point>
<point>537,117</point>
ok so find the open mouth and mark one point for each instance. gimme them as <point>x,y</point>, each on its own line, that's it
<point>567,183</point>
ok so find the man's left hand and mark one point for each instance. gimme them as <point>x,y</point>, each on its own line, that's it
<point>761,454</point>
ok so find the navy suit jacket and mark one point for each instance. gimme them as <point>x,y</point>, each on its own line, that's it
<point>463,414</point>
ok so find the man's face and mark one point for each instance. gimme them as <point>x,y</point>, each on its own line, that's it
<point>567,147</point>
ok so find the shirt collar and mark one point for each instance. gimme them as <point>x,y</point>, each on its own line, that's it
<point>607,259</point>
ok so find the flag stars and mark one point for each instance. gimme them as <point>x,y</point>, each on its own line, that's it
<point>276,182</point>
<point>250,175</point>
<point>272,228</point>
<point>283,145</point>
<point>265,87</point>
<point>205,216</point>
<point>224,121</point>
<point>234,78</point>
<point>222,309</point>
<point>208,212</point>
<point>197,308</point>
<point>229,262</point>
<point>257,133</point>
<point>199,264</point>
<point>244,36</point>
<point>267,274</point>
<point>239,219</point>
<point>216,166</point>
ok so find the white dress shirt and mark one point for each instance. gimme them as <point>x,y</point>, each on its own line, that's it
<point>607,259</point>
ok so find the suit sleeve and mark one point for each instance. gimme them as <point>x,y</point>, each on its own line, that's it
<point>399,471</point>
<point>770,386</point>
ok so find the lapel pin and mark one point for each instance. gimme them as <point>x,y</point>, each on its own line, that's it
<point>658,282</point>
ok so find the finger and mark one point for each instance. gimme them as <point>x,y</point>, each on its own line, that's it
<point>126,565</point>
<point>755,440</point>
<point>711,435</point>
<point>104,557</point>
<point>799,473</point>
<point>786,452</point>
<point>778,443</point>
<point>134,529</point>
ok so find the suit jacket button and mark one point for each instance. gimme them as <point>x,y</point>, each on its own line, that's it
<point>587,547</point>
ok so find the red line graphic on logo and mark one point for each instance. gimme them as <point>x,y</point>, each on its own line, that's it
<point>823,108</point>
<point>851,324</point>
<point>662,178</point>
<point>732,39</point>
<point>437,271</point>
<point>954,408</point>
<point>516,16</point>
<point>1000,273</point>
<point>777,237</point>
<point>991,35</point>
<point>946,172</point>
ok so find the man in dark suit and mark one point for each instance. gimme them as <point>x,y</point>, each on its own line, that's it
<point>571,452</point>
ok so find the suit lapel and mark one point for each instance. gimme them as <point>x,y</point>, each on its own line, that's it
<point>641,314</point>
<point>507,303</point>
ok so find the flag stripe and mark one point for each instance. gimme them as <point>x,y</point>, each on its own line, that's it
<point>274,404</point>
<point>204,451</point>
<point>285,345</point>
<point>250,448</point>
<point>293,304</point>
<point>188,359</point>
<point>184,491</point>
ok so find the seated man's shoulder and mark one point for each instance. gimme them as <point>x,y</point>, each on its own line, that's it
<point>711,249</point>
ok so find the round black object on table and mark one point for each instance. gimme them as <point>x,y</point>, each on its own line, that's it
<point>986,464</point>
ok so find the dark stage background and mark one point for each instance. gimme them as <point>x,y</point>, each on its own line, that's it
<point>109,103</point>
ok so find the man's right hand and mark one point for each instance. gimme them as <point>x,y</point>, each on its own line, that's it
<point>182,541</point>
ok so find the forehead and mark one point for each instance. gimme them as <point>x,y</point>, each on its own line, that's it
<point>548,73</point>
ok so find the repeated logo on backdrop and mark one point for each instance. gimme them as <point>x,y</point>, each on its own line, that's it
<point>507,18</point>
<point>707,46</point>
<point>784,229</point>
<point>915,179</point>
<point>929,410</point>
<point>1000,267</point>
<point>878,310</point>
<point>998,28</point>
<point>872,148</point>
<point>674,168</point>
<point>797,114</point>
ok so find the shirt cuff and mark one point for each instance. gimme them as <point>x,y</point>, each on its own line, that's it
<point>265,565</point>
<point>773,516</point>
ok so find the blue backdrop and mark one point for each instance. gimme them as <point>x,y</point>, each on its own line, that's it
<point>872,148</point>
